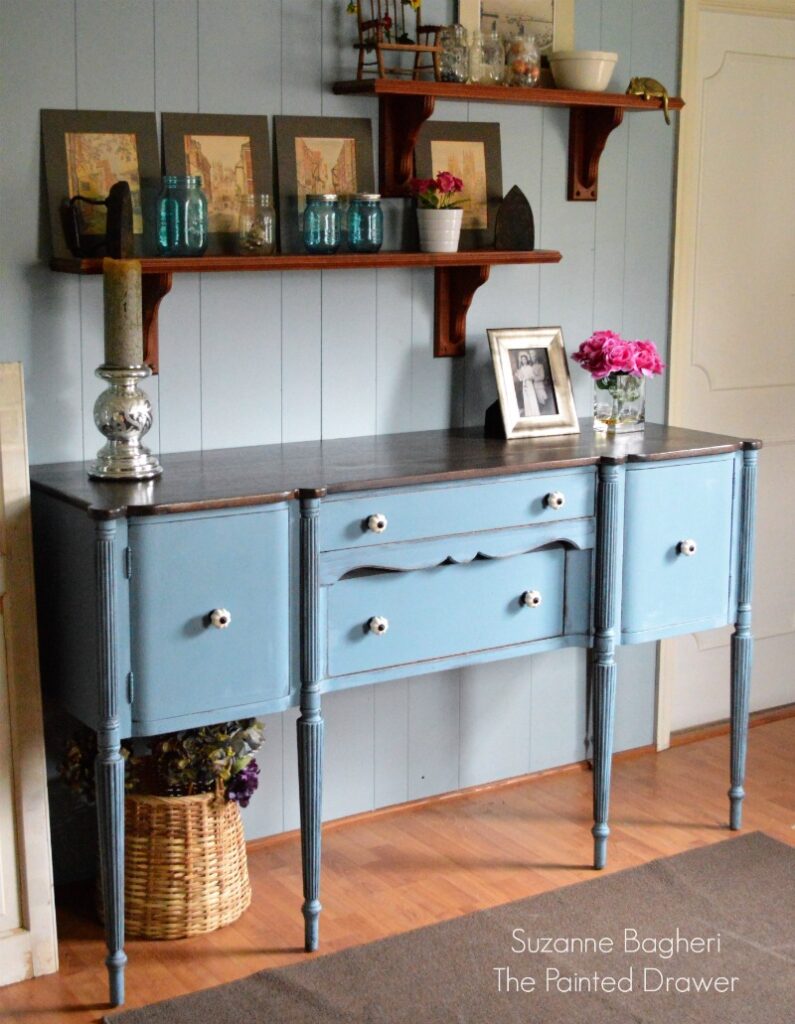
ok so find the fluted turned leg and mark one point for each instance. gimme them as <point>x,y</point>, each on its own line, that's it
<point>742,642</point>
<point>109,766</point>
<point>604,703</point>
<point>310,781</point>
<point>603,661</point>
<point>110,813</point>
<point>310,724</point>
<point>741,653</point>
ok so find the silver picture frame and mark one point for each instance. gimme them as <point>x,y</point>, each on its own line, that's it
<point>533,381</point>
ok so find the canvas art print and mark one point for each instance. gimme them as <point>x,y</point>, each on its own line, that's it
<point>536,15</point>
<point>225,166</point>
<point>467,161</point>
<point>86,153</point>
<point>231,155</point>
<point>318,156</point>
<point>94,162</point>
<point>324,166</point>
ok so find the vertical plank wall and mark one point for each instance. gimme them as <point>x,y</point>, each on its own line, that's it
<point>252,359</point>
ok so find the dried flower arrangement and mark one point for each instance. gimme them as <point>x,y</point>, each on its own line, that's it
<point>216,758</point>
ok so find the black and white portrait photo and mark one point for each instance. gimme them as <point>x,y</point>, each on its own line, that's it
<point>533,382</point>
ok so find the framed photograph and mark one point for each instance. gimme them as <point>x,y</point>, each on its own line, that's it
<point>231,154</point>
<point>550,21</point>
<point>533,381</point>
<point>318,155</point>
<point>471,151</point>
<point>87,151</point>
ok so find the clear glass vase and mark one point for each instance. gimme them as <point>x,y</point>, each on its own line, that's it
<point>619,403</point>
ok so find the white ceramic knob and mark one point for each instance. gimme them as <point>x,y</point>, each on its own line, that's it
<point>687,547</point>
<point>555,499</point>
<point>378,625</point>
<point>377,523</point>
<point>532,598</point>
<point>220,618</point>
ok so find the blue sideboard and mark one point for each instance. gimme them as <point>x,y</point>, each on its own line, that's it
<point>247,581</point>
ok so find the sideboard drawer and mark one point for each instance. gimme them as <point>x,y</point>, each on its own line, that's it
<point>396,618</point>
<point>444,509</point>
<point>184,569</point>
<point>667,581</point>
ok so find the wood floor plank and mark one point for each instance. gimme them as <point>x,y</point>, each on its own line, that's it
<point>387,873</point>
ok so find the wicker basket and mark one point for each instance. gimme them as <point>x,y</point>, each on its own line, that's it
<point>186,871</point>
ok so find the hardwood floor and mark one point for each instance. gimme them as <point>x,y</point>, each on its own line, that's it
<point>389,872</point>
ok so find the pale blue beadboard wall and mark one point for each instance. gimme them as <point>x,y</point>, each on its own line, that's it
<point>252,359</point>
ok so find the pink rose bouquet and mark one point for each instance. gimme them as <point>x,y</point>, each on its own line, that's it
<point>606,354</point>
<point>437,193</point>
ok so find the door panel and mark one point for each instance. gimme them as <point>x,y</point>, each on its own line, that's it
<point>732,358</point>
<point>665,585</point>
<point>182,661</point>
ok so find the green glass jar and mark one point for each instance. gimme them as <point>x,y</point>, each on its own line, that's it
<point>182,219</point>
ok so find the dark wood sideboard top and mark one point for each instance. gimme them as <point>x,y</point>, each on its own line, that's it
<point>263,474</point>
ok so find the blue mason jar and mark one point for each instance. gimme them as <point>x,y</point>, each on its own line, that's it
<point>322,224</point>
<point>365,222</point>
<point>182,220</point>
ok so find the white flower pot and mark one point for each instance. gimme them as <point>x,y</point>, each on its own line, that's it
<point>439,229</point>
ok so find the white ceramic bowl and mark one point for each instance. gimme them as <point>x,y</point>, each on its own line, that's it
<point>589,70</point>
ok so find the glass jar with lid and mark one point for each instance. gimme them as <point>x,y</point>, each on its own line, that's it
<point>522,59</point>
<point>322,224</point>
<point>487,57</point>
<point>182,220</point>
<point>365,222</point>
<point>256,228</point>
<point>454,58</point>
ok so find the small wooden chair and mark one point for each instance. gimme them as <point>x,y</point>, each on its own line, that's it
<point>382,26</point>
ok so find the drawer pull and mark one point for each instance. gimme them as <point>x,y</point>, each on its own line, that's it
<point>555,499</point>
<point>687,547</point>
<point>532,598</point>
<point>378,625</point>
<point>220,618</point>
<point>377,523</point>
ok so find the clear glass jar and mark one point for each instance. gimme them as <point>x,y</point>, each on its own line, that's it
<point>487,57</point>
<point>619,403</point>
<point>522,59</point>
<point>454,59</point>
<point>256,227</point>
<point>322,224</point>
<point>182,222</point>
<point>365,222</point>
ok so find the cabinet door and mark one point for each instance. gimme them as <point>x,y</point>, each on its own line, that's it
<point>185,660</point>
<point>667,586</point>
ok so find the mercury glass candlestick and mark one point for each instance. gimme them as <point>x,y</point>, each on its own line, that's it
<point>123,412</point>
<point>123,415</point>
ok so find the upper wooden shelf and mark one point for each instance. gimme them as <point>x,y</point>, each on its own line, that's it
<point>404,105</point>
<point>457,277</point>
<point>304,261</point>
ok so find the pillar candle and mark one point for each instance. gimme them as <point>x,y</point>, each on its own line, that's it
<point>124,338</point>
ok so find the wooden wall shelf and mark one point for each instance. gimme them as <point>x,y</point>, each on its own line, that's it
<point>405,105</point>
<point>458,276</point>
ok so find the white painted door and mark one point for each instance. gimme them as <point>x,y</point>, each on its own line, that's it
<point>27,920</point>
<point>733,331</point>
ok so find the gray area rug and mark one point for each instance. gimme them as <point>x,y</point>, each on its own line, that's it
<point>716,927</point>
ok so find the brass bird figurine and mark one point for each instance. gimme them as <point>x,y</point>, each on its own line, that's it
<point>650,88</point>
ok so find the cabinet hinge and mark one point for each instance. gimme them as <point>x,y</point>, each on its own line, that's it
<point>128,563</point>
<point>130,687</point>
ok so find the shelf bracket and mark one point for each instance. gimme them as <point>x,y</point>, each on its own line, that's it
<point>153,288</point>
<point>455,288</point>
<point>589,128</point>
<point>399,121</point>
